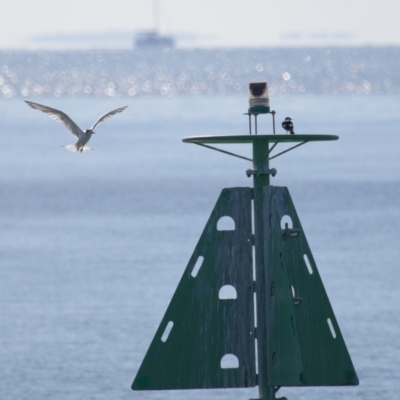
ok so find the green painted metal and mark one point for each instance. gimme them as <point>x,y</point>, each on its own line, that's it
<point>303,349</point>
<point>205,327</point>
<point>255,110</point>
<point>257,139</point>
<point>261,163</point>
<point>284,359</point>
<point>296,334</point>
<point>289,336</point>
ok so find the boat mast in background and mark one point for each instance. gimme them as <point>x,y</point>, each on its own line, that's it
<point>153,40</point>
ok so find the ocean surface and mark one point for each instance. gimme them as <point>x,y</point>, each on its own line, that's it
<point>94,73</point>
<point>93,245</point>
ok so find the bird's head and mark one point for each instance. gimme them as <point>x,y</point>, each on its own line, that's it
<point>90,131</point>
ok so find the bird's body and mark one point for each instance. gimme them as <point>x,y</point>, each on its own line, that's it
<point>287,125</point>
<point>82,136</point>
<point>80,145</point>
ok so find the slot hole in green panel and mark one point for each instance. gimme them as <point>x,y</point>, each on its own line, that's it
<point>167,331</point>
<point>229,361</point>
<point>253,253</point>
<point>255,309</point>
<point>331,327</point>
<point>256,352</point>
<point>226,224</point>
<point>286,220</point>
<point>227,292</point>
<point>197,266</point>
<point>308,264</point>
<point>296,300</point>
<point>252,217</point>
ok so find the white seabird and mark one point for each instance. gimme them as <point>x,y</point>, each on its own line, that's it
<point>83,136</point>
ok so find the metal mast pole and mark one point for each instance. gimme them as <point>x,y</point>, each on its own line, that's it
<point>156,15</point>
<point>261,179</point>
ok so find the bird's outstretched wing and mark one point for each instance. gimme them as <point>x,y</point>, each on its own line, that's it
<point>58,116</point>
<point>107,115</point>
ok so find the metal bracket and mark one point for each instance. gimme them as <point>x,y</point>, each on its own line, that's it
<point>289,233</point>
<point>258,172</point>
<point>297,300</point>
<point>223,151</point>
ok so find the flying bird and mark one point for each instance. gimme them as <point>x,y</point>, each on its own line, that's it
<point>82,136</point>
<point>287,125</point>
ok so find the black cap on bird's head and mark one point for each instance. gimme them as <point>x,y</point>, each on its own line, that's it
<point>90,131</point>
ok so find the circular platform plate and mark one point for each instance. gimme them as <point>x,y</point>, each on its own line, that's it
<point>255,138</point>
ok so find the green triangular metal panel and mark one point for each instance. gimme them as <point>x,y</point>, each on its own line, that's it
<point>284,362</point>
<point>308,352</point>
<point>205,327</point>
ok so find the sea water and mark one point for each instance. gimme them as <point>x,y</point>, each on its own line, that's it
<point>93,245</point>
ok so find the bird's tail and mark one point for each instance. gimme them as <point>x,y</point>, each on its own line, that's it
<point>74,148</point>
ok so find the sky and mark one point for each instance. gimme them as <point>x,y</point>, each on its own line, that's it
<point>199,23</point>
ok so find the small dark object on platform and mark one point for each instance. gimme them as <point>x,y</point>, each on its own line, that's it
<point>287,125</point>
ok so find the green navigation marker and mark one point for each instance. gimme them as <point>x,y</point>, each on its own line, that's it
<point>244,318</point>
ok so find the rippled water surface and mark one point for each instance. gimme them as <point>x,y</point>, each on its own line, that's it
<point>93,245</point>
<point>360,70</point>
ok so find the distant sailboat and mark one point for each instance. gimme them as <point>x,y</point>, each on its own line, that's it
<point>152,39</point>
